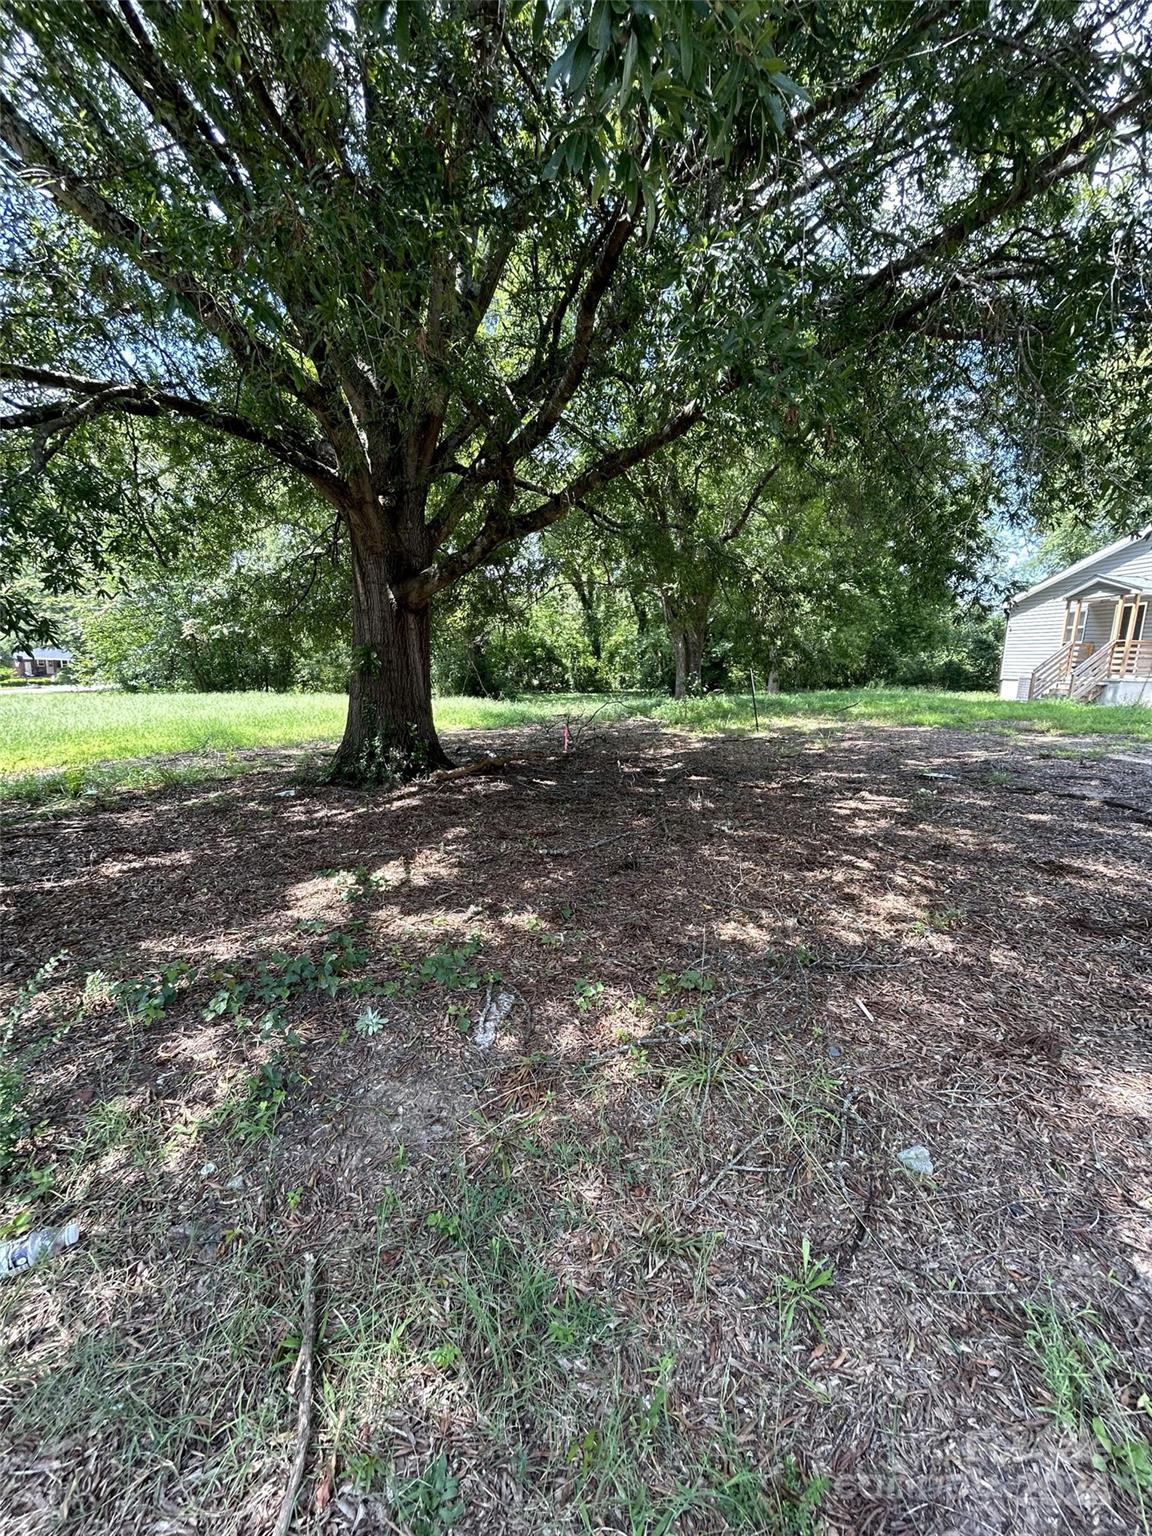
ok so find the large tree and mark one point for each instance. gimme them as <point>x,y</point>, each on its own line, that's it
<point>409,249</point>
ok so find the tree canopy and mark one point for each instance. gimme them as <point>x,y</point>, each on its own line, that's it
<point>414,252</point>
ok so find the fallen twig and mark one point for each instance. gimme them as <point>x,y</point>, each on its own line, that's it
<point>481,765</point>
<point>600,842</point>
<point>729,1167</point>
<point>302,1376</point>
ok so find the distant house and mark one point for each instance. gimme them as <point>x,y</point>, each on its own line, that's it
<point>41,661</point>
<point>1085,632</point>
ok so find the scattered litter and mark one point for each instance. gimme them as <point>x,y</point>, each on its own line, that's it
<point>235,1182</point>
<point>208,1170</point>
<point>835,1051</point>
<point>927,773</point>
<point>496,1009</point>
<point>22,1252</point>
<point>283,794</point>
<point>916,1160</point>
<point>863,1007</point>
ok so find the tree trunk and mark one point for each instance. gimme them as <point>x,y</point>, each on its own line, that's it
<point>688,630</point>
<point>688,645</point>
<point>389,736</point>
<point>680,648</point>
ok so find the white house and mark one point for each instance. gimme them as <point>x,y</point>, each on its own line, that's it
<point>1084,633</point>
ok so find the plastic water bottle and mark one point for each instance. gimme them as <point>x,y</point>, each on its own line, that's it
<point>23,1252</point>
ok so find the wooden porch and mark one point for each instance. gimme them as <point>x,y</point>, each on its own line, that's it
<point>1082,668</point>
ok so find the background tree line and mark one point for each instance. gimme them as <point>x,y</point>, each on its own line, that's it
<point>733,316</point>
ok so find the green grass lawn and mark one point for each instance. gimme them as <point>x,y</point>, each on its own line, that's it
<point>907,706</point>
<point>41,731</point>
<point>70,743</point>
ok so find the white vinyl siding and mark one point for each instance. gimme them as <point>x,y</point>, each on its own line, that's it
<point>1036,624</point>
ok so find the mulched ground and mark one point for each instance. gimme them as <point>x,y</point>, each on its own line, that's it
<point>905,937</point>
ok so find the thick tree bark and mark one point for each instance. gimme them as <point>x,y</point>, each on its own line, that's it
<point>688,647</point>
<point>688,631</point>
<point>389,736</point>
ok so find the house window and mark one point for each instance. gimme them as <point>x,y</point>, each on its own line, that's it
<point>1074,621</point>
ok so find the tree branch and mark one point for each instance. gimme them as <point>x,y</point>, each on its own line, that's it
<point>499,529</point>
<point>109,396</point>
<point>39,164</point>
<point>750,505</point>
<point>1075,155</point>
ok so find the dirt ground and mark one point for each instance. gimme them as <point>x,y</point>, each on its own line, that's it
<point>650,1260</point>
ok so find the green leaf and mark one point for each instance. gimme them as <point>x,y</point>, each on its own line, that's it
<point>581,66</point>
<point>562,67</point>
<point>600,27</point>
<point>630,53</point>
<point>686,56</point>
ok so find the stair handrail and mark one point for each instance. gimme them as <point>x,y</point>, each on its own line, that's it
<point>1131,657</point>
<point>1051,670</point>
<point>1092,673</point>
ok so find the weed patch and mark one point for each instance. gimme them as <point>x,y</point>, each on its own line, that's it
<point>1093,1392</point>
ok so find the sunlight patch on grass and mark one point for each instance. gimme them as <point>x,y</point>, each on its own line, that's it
<point>66,745</point>
<point>41,732</point>
<point>904,707</point>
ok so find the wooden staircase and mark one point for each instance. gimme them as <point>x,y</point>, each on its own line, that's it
<point>1090,675</point>
<point>1050,679</point>
<point>1070,674</point>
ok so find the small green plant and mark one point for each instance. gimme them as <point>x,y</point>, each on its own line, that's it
<point>747,1501</point>
<point>365,1470</point>
<point>787,1504</point>
<point>576,1322</point>
<point>941,920</point>
<point>147,998</point>
<point>369,1023</point>
<point>272,1028</point>
<point>444,1223</point>
<point>692,980</point>
<point>356,884</point>
<point>14,1123</point>
<point>283,977</point>
<point>460,1014</point>
<point>587,994</point>
<point>534,923</point>
<point>14,1120</point>
<point>99,991</point>
<point>252,1114</point>
<point>1092,1392</point>
<point>428,1504</point>
<point>387,1205</point>
<point>449,965</point>
<point>801,1293</point>
<point>654,1409</point>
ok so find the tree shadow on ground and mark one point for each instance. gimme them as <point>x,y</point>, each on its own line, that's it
<point>743,976</point>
